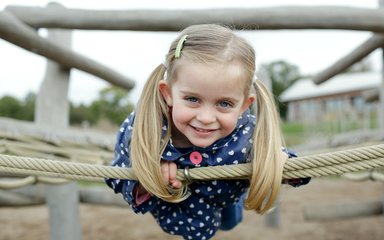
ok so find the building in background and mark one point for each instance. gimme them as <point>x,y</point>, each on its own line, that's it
<point>338,103</point>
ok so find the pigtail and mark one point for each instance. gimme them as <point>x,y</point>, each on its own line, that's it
<point>148,144</point>
<point>266,160</point>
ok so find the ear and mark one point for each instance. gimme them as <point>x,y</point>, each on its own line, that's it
<point>247,102</point>
<point>166,92</point>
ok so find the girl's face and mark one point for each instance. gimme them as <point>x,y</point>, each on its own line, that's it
<point>205,101</point>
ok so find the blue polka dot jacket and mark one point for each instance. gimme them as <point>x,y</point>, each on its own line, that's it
<point>199,216</point>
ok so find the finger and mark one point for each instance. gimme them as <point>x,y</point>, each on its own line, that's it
<point>172,176</point>
<point>176,184</point>
<point>172,171</point>
<point>164,166</point>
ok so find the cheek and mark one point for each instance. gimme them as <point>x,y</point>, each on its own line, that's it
<point>180,114</point>
<point>229,123</point>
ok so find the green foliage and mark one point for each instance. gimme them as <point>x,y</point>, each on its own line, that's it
<point>112,106</point>
<point>12,107</point>
<point>78,114</point>
<point>282,75</point>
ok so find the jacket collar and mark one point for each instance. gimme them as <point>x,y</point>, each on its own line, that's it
<point>172,153</point>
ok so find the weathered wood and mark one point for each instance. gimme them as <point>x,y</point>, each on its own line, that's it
<point>342,210</point>
<point>380,105</point>
<point>380,116</point>
<point>52,105</point>
<point>16,32</point>
<point>51,100</point>
<point>13,199</point>
<point>64,215</point>
<point>320,17</point>
<point>57,134</point>
<point>355,56</point>
<point>35,194</point>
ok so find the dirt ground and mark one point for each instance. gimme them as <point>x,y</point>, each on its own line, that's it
<point>104,223</point>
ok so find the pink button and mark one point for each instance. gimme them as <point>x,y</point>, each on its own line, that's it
<point>195,157</point>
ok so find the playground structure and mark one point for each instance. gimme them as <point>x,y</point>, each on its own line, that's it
<point>18,25</point>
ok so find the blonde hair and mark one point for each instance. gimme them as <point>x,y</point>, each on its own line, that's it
<point>207,43</point>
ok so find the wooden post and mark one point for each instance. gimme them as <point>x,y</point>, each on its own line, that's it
<point>380,104</point>
<point>380,108</point>
<point>52,111</point>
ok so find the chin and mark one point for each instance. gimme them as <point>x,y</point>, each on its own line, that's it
<point>202,145</point>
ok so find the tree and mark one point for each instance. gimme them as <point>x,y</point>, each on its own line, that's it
<point>113,104</point>
<point>79,114</point>
<point>10,107</point>
<point>282,75</point>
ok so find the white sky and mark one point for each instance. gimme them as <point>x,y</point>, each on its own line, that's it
<point>135,54</point>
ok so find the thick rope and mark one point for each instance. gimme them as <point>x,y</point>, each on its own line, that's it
<point>316,165</point>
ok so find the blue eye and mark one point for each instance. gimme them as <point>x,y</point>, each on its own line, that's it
<point>225,104</point>
<point>191,99</point>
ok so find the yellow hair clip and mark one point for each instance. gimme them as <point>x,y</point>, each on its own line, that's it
<point>180,46</point>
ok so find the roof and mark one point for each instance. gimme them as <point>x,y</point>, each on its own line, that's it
<point>342,83</point>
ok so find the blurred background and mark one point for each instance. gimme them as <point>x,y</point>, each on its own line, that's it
<point>342,112</point>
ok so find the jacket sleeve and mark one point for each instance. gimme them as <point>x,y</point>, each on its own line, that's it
<point>297,182</point>
<point>122,159</point>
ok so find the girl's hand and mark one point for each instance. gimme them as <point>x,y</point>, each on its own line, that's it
<point>169,170</point>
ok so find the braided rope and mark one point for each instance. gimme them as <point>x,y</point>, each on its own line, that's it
<point>316,165</point>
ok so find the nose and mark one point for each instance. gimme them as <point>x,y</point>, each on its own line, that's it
<point>206,115</point>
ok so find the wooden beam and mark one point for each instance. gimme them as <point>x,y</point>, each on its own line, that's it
<point>319,17</point>
<point>22,129</point>
<point>376,41</point>
<point>15,31</point>
<point>35,194</point>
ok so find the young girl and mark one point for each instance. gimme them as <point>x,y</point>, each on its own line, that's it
<point>194,112</point>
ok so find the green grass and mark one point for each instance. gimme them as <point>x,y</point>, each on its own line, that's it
<point>299,133</point>
<point>292,128</point>
<point>293,133</point>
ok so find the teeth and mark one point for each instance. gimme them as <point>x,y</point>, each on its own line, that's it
<point>201,130</point>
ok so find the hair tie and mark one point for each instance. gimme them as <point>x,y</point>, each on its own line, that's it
<point>187,177</point>
<point>180,46</point>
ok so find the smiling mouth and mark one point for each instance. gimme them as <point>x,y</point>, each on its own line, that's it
<point>201,130</point>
